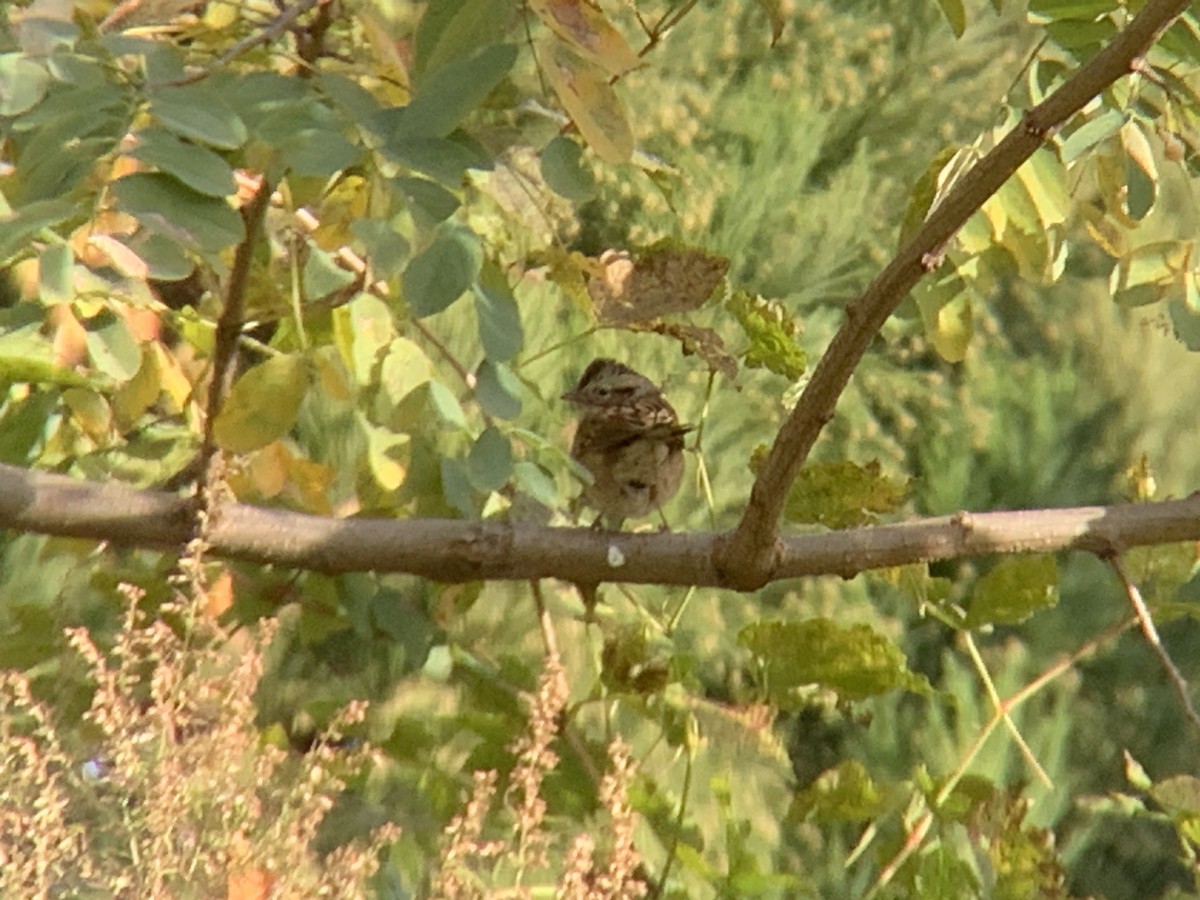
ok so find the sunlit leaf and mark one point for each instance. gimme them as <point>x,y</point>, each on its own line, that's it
<point>948,322</point>
<point>1141,172</point>
<point>362,329</point>
<point>405,368</point>
<point>446,405</point>
<point>263,404</point>
<point>589,33</point>
<point>1152,272</point>
<point>23,83</point>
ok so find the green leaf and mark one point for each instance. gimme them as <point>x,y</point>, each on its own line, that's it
<point>563,172</point>
<point>490,461</point>
<point>163,257</point>
<point>198,167</point>
<point>23,83</point>
<point>17,227</point>
<point>854,661</point>
<point>1013,591</point>
<point>112,347</point>
<point>497,390</point>
<point>429,201</point>
<point>444,99</point>
<point>446,405</point>
<point>843,495</point>
<point>442,272</point>
<point>536,482</point>
<point>199,113</point>
<point>318,153</point>
<point>1185,317</point>
<point>771,331</point>
<point>456,487</point>
<point>1091,133</point>
<point>844,793</point>
<point>322,275</point>
<point>163,205</point>
<point>56,264</point>
<point>923,194</point>
<point>1054,10</point>
<point>1179,794</point>
<point>442,159</point>
<point>500,329</point>
<point>263,404</point>
<point>955,15</point>
<point>454,29</point>
<point>383,247</point>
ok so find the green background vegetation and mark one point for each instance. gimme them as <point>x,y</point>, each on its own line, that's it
<point>797,163</point>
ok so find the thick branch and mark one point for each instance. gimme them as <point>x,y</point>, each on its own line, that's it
<point>752,545</point>
<point>451,550</point>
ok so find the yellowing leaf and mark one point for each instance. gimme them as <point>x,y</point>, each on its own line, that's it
<point>584,27</point>
<point>1152,272</point>
<point>948,324</point>
<point>262,405</point>
<point>583,89</point>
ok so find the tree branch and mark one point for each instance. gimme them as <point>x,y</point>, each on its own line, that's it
<point>752,550</point>
<point>452,550</point>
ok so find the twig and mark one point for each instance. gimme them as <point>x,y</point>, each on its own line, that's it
<point>265,35</point>
<point>1002,711</point>
<point>1146,622</point>
<point>454,550</point>
<point>229,323</point>
<point>751,550</point>
<point>921,827</point>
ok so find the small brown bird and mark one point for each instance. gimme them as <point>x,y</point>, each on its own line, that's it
<point>629,438</point>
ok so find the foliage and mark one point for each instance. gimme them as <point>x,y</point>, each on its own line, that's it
<point>465,201</point>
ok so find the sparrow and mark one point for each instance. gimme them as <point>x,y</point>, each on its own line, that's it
<point>629,438</point>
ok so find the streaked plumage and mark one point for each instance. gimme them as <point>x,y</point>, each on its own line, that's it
<point>629,438</point>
